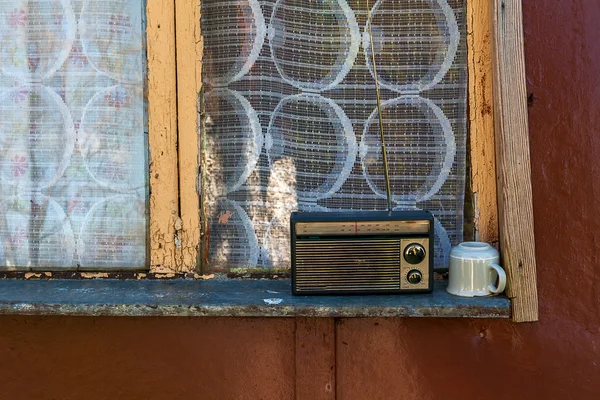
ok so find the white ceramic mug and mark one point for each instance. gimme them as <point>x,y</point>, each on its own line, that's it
<point>474,270</point>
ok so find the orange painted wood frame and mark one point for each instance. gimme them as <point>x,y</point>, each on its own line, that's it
<point>189,84</point>
<point>481,122</point>
<point>162,131</point>
<point>174,83</point>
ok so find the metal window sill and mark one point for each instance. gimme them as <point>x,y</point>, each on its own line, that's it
<point>226,298</point>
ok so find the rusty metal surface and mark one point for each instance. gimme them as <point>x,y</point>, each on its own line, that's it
<point>243,298</point>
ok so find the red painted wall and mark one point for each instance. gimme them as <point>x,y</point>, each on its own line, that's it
<point>358,359</point>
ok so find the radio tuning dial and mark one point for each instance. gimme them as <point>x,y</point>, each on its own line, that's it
<point>414,253</point>
<point>414,276</point>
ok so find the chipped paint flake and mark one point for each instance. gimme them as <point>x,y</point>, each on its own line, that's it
<point>94,275</point>
<point>205,277</point>
<point>178,224</point>
<point>272,301</point>
<point>224,217</point>
<point>164,276</point>
<point>160,269</point>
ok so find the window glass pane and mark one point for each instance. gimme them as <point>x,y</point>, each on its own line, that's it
<point>291,120</point>
<point>73,148</point>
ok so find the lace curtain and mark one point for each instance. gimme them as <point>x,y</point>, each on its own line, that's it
<point>72,144</point>
<point>291,120</point>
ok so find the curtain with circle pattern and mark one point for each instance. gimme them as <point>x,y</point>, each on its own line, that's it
<point>72,134</point>
<point>291,119</point>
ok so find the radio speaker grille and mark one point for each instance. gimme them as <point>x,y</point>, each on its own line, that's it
<point>347,265</point>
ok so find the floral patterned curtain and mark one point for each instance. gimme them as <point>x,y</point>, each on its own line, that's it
<point>73,153</point>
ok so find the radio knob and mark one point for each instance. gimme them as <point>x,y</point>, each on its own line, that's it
<point>414,253</point>
<point>414,276</point>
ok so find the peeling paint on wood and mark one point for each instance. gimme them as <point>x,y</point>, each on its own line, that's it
<point>162,118</point>
<point>163,276</point>
<point>205,277</point>
<point>481,122</point>
<point>189,78</point>
<point>121,275</point>
<point>94,275</point>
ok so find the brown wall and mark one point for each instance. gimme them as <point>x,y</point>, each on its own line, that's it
<point>556,358</point>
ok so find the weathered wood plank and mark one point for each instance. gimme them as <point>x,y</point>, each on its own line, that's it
<point>315,359</point>
<point>481,122</point>
<point>162,119</point>
<point>512,151</point>
<point>189,84</point>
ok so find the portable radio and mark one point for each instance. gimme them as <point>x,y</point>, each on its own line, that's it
<point>362,252</point>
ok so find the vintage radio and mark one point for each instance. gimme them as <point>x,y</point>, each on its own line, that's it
<point>362,252</point>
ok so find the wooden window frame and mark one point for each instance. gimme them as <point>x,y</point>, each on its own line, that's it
<point>174,83</point>
<point>498,131</point>
<point>515,199</point>
<point>499,139</point>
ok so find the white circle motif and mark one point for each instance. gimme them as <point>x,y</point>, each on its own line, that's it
<point>439,160</point>
<point>237,146</point>
<point>112,40</point>
<point>233,240</point>
<point>113,233</point>
<point>399,75</point>
<point>111,138</point>
<point>37,137</point>
<point>53,242</point>
<point>305,51</point>
<point>318,136</point>
<point>244,32</point>
<point>34,46</point>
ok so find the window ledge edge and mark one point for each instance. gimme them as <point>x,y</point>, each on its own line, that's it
<point>227,298</point>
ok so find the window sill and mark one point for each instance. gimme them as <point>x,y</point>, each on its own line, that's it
<point>233,298</point>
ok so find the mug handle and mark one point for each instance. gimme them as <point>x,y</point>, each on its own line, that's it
<point>501,279</point>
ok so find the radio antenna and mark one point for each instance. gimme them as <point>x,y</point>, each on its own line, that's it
<point>377,91</point>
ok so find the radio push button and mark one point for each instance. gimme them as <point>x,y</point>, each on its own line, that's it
<point>414,253</point>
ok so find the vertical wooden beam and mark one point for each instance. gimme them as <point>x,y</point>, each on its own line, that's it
<point>189,84</point>
<point>512,151</point>
<point>315,359</point>
<point>162,119</point>
<point>481,122</point>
